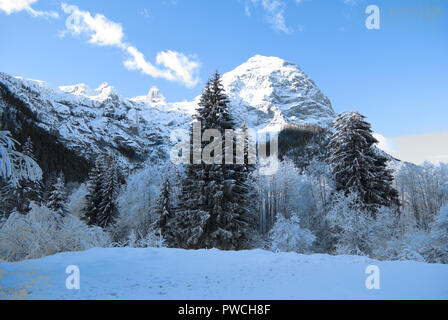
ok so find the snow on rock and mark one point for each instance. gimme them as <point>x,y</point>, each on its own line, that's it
<point>103,92</point>
<point>125,273</point>
<point>268,91</point>
<point>153,98</point>
<point>80,89</point>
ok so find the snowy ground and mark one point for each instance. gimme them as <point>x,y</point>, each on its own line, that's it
<point>212,274</point>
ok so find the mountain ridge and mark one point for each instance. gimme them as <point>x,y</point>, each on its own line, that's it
<point>267,93</point>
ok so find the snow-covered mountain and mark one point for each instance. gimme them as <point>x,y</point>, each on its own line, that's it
<point>265,92</point>
<point>270,92</point>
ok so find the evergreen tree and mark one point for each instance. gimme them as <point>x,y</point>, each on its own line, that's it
<point>93,197</point>
<point>249,158</point>
<point>213,209</point>
<point>103,187</point>
<point>57,198</point>
<point>110,187</point>
<point>165,212</point>
<point>48,186</point>
<point>28,148</point>
<point>358,167</point>
<point>29,190</point>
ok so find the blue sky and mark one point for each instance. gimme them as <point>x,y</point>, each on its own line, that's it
<point>396,76</point>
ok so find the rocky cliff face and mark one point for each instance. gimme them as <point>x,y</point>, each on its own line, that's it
<point>265,92</point>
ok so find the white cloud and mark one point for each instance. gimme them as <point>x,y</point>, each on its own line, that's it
<point>385,144</point>
<point>13,6</point>
<point>184,67</point>
<point>101,31</point>
<point>418,148</point>
<point>274,13</point>
<point>178,67</point>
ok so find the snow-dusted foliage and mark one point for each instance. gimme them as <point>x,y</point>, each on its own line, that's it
<point>40,233</point>
<point>103,189</point>
<point>423,190</point>
<point>407,241</point>
<point>306,195</point>
<point>321,181</point>
<point>57,198</point>
<point>388,236</point>
<point>439,237</point>
<point>285,191</point>
<point>15,166</point>
<point>110,188</point>
<point>350,225</point>
<point>136,202</point>
<point>287,235</point>
<point>76,201</point>
<point>412,245</point>
<point>165,212</point>
<point>153,238</point>
<point>357,166</point>
<point>319,177</point>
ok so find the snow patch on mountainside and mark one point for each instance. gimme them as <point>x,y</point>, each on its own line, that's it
<point>150,273</point>
<point>153,98</point>
<point>102,93</point>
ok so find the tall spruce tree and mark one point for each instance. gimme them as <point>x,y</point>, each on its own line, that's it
<point>213,209</point>
<point>57,198</point>
<point>28,190</point>
<point>110,187</point>
<point>165,212</point>
<point>93,197</point>
<point>358,167</point>
<point>103,187</point>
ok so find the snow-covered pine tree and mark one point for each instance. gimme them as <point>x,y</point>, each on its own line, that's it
<point>15,166</point>
<point>213,206</point>
<point>252,194</point>
<point>249,155</point>
<point>165,212</point>
<point>57,198</point>
<point>93,197</point>
<point>28,148</point>
<point>29,190</point>
<point>358,168</point>
<point>109,189</point>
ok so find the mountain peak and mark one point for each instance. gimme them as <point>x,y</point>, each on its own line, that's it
<point>103,86</point>
<point>265,89</point>
<point>103,92</point>
<point>80,89</point>
<point>266,64</point>
<point>265,59</point>
<point>153,98</point>
<point>154,95</point>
